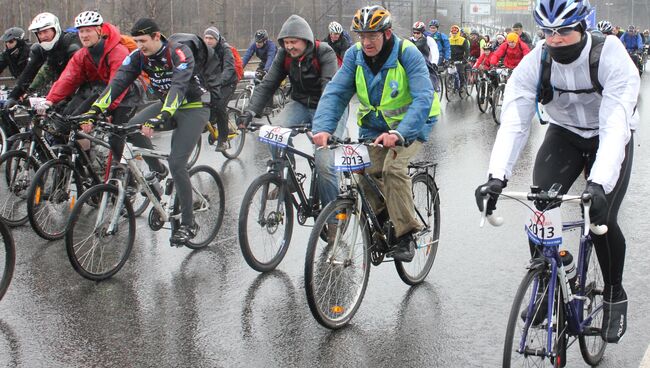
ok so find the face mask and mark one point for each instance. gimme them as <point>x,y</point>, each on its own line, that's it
<point>567,54</point>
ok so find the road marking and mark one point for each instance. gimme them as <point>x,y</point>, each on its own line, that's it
<point>645,363</point>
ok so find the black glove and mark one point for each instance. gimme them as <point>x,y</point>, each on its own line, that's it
<point>91,116</point>
<point>245,119</point>
<point>494,188</point>
<point>10,103</point>
<point>159,121</point>
<point>598,209</point>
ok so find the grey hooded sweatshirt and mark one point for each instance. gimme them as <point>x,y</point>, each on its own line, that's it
<point>307,80</point>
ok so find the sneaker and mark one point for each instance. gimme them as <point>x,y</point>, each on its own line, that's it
<point>404,250</point>
<point>160,175</point>
<point>183,234</point>
<point>614,318</point>
<point>221,147</point>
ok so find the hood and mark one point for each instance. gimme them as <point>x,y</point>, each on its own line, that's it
<point>113,36</point>
<point>296,26</point>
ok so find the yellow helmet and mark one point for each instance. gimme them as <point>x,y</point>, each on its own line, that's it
<point>373,18</point>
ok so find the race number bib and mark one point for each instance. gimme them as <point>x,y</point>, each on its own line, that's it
<point>351,157</point>
<point>4,94</point>
<point>545,227</point>
<point>274,135</point>
<point>35,102</point>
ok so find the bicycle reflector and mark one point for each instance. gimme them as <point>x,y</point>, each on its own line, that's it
<point>336,309</point>
<point>341,216</point>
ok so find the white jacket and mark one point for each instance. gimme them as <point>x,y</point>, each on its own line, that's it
<point>611,116</point>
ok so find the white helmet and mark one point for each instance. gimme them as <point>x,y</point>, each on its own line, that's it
<point>335,27</point>
<point>45,21</point>
<point>88,19</point>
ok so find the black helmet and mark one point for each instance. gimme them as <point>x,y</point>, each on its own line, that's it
<point>261,35</point>
<point>13,33</point>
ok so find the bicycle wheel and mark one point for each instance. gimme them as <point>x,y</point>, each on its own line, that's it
<point>18,169</point>
<point>241,102</point>
<point>427,206</point>
<point>450,89</point>
<point>95,251</point>
<point>265,223</point>
<point>497,103</point>
<point>481,96</point>
<point>337,271</point>
<point>592,346</point>
<point>208,202</point>
<point>9,249</point>
<point>236,140</point>
<point>194,156</point>
<point>527,331</point>
<point>441,84</point>
<point>51,197</point>
<point>3,141</point>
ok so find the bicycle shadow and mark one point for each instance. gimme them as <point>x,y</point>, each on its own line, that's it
<point>13,345</point>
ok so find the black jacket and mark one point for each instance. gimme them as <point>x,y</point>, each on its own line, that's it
<point>56,59</point>
<point>16,58</point>
<point>222,70</point>
<point>307,83</point>
<point>339,46</point>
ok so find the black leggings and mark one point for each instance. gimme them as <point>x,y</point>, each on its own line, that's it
<point>561,158</point>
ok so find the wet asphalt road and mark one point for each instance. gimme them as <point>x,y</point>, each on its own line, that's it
<point>172,307</point>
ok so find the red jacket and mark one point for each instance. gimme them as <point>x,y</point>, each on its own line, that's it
<point>512,55</point>
<point>483,60</point>
<point>81,68</point>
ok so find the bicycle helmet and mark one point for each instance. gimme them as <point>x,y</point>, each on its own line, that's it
<point>88,19</point>
<point>419,26</point>
<point>631,28</point>
<point>45,21</point>
<point>561,13</point>
<point>335,27</point>
<point>373,18</point>
<point>473,31</point>
<point>434,23</point>
<point>13,33</point>
<point>261,35</point>
<point>605,26</point>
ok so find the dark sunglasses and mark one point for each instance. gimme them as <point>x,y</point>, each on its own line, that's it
<point>415,32</point>
<point>561,31</point>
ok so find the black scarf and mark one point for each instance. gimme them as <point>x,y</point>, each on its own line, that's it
<point>567,54</point>
<point>97,51</point>
<point>375,63</point>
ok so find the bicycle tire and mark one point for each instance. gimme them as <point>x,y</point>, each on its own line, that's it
<point>441,84</point>
<point>482,96</point>
<point>209,215</point>
<point>450,89</point>
<point>235,141</point>
<point>194,156</point>
<point>497,103</point>
<point>9,258</point>
<point>537,332</point>
<point>259,233</point>
<point>427,204</point>
<point>84,212</point>
<point>242,100</point>
<point>18,176</point>
<point>50,199</point>
<point>139,201</point>
<point>3,141</point>
<point>337,264</point>
<point>592,346</point>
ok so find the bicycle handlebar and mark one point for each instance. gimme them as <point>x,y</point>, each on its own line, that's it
<point>584,199</point>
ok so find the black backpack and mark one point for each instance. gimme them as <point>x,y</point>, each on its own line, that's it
<point>545,89</point>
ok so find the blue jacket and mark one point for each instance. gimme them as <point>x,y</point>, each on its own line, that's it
<point>416,123</point>
<point>443,45</point>
<point>266,54</point>
<point>632,42</point>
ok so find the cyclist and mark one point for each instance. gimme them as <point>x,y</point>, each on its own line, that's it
<point>588,129</point>
<point>174,73</point>
<point>606,27</point>
<point>634,45</point>
<point>310,66</point>
<point>429,49</point>
<point>442,40</point>
<point>407,114</point>
<point>16,51</point>
<point>518,28</point>
<point>476,43</point>
<point>338,39</point>
<point>512,52</point>
<point>483,62</point>
<point>499,39</point>
<point>223,81</point>
<point>459,51</point>
<point>54,48</point>
<point>264,49</point>
<point>646,37</point>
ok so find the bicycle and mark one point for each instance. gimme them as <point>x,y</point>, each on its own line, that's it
<point>485,89</point>
<point>9,249</point>
<point>497,96</point>
<point>251,80</point>
<point>552,309</point>
<point>58,183</point>
<point>266,215</point>
<point>103,210</point>
<point>236,135</point>
<point>471,76</point>
<point>337,269</point>
<point>453,84</point>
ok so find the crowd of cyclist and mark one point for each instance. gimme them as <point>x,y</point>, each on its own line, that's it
<point>101,71</point>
